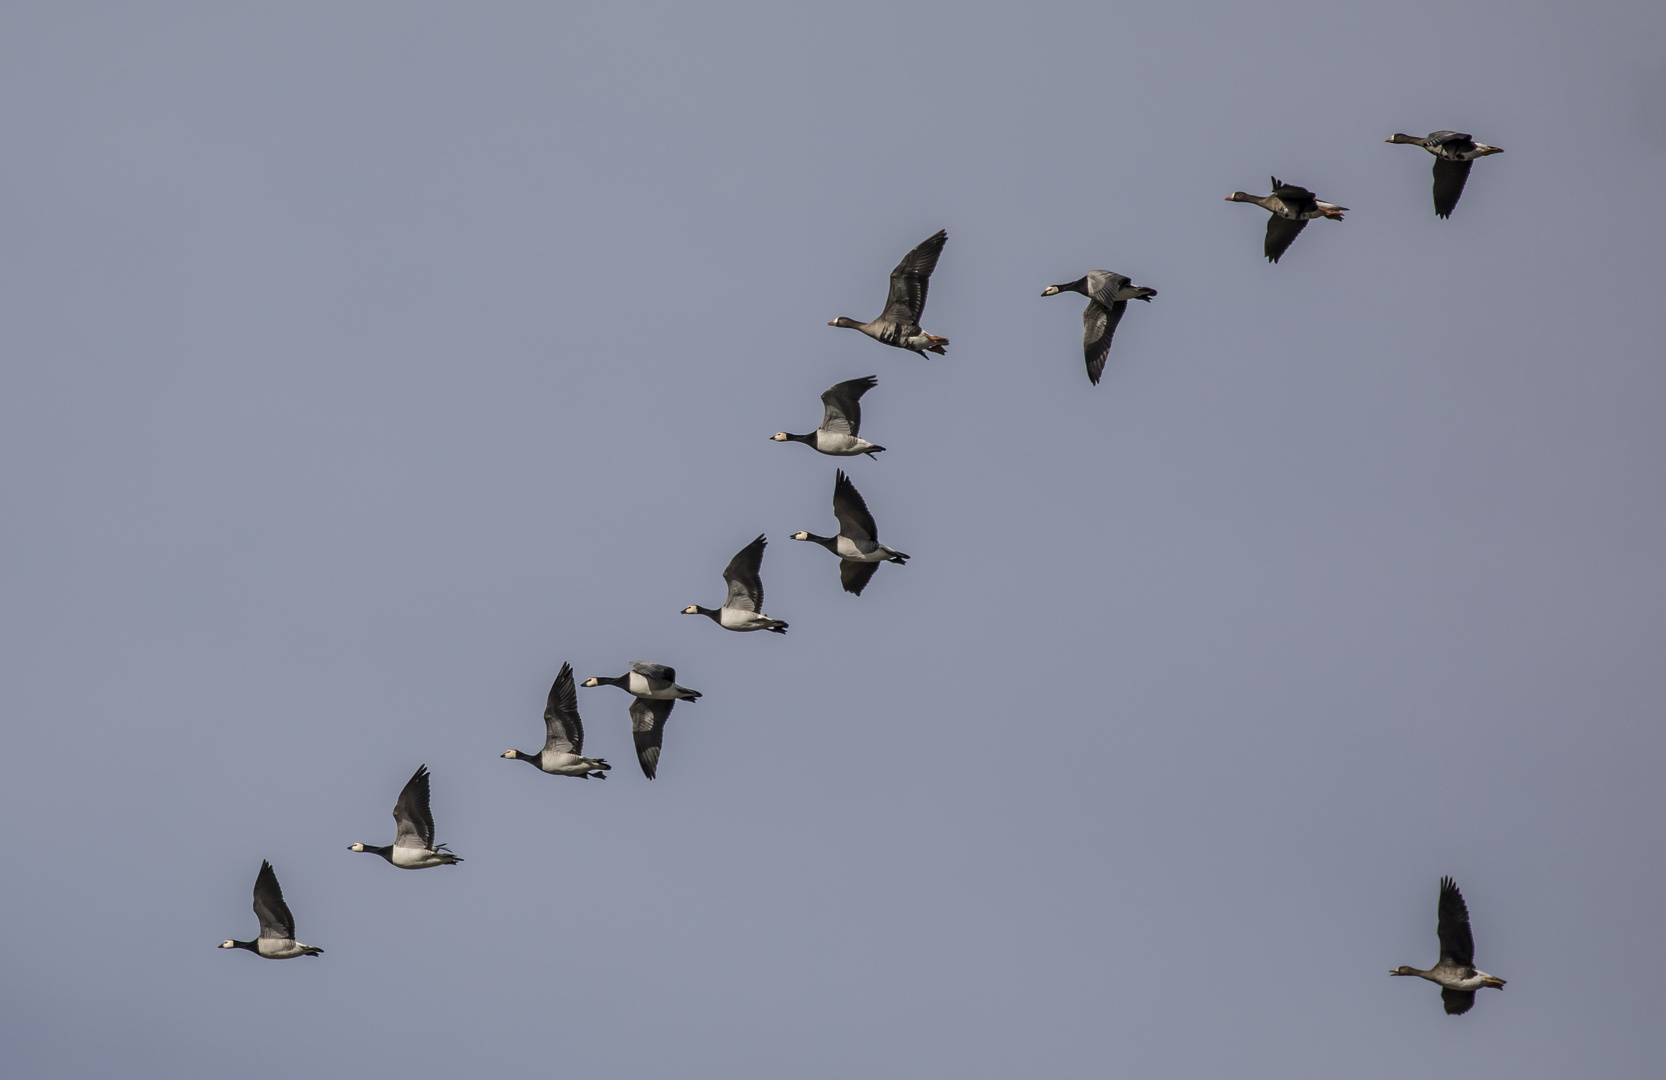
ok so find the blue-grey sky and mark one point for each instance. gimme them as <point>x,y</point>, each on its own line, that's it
<point>363,362</point>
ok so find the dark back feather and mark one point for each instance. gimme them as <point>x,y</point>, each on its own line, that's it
<point>911,279</point>
<point>842,405</point>
<point>648,728</point>
<point>1457,944</point>
<point>275,920</point>
<point>410,811</point>
<point>746,587</point>
<point>563,730</point>
<point>852,511</point>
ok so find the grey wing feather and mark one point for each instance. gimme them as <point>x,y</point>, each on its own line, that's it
<point>410,811</point>
<point>654,671</point>
<point>848,506</point>
<point>1442,138</point>
<point>563,730</point>
<point>1450,178</point>
<point>1098,326</point>
<point>1105,287</point>
<point>1457,1002</point>
<point>275,919</point>
<point>1281,232</point>
<point>842,405</point>
<point>906,300</point>
<point>648,727</point>
<point>854,576</point>
<point>1457,944</point>
<point>746,587</point>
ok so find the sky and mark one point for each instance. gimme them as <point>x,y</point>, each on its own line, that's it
<point>362,363</point>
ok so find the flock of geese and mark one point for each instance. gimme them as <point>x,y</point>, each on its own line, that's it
<point>653,688</point>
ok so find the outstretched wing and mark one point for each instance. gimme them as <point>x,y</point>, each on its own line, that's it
<point>416,823</point>
<point>1457,1002</point>
<point>746,588</point>
<point>1450,178</point>
<point>1098,326</point>
<point>563,730</point>
<point>910,280</point>
<point>1455,139</point>
<point>852,512</point>
<point>854,576</point>
<point>842,405</point>
<point>1457,944</point>
<point>648,726</point>
<point>275,920</point>
<point>1290,192</point>
<point>1280,233</point>
<point>1104,285</point>
<point>654,671</point>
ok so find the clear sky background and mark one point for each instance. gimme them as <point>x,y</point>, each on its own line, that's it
<point>363,362</point>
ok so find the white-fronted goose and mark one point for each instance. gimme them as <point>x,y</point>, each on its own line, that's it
<point>654,686</point>
<point>1108,295</point>
<point>413,848</point>
<point>857,544</point>
<point>743,609</point>
<point>1292,208</point>
<point>899,323</point>
<point>1454,152</point>
<point>841,420</point>
<point>1455,972</point>
<point>563,752</point>
<point>277,925</point>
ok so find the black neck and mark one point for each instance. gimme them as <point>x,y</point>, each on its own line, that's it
<point>522,755</point>
<point>384,852</point>
<point>800,438</point>
<point>709,613</point>
<point>828,542</point>
<point>1078,286</point>
<point>244,945</point>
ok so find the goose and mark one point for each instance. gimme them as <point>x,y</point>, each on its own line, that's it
<point>857,544</point>
<point>277,925</point>
<point>841,420</point>
<point>414,847</point>
<point>899,323</point>
<point>563,752</point>
<point>655,688</point>
<point>1454,153</point>
<point>1292,208</point>
<point>743,608</point>
<point>1456,972</point>
<point>1108,295</point>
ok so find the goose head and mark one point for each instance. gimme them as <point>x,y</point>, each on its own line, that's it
<point>355,847</point>
<point>846,322</point>
<point>1404,970</point>
<point>799,536</point>
<point>1482,149</point>
<point>1399,137</point>
<point>1240,196</point>
<point>1493,981</point>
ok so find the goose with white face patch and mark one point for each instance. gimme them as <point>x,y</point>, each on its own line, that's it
<point>277,925</point>
<point>1292,208</point>
<point>840,422</point>
<point>857,544</point>
<point>1455,973</point>
<point>413,848</point>
<point>1108,295</point>
<point>654,686</point>
<point>743,609</point>
<point>1455,152</point>
<point>899,324</point>
<point>563,752</point>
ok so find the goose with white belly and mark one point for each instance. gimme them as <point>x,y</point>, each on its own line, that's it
<point>857,544</point>
<point>563,752</point>
<point>413,848</point>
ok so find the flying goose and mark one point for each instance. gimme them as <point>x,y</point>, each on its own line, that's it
<point>743,608</point>
<point>277,925</point>
<point>563,752</point>
<point>841,420</point>
<point>414,847</point>
<point>899,323</point>
<point>1292,208</point>
<point>1108,295</point>
<point>1456,972</point>
<point>1454,153</point>
<point>654,686</point>
<point>857,544</point>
